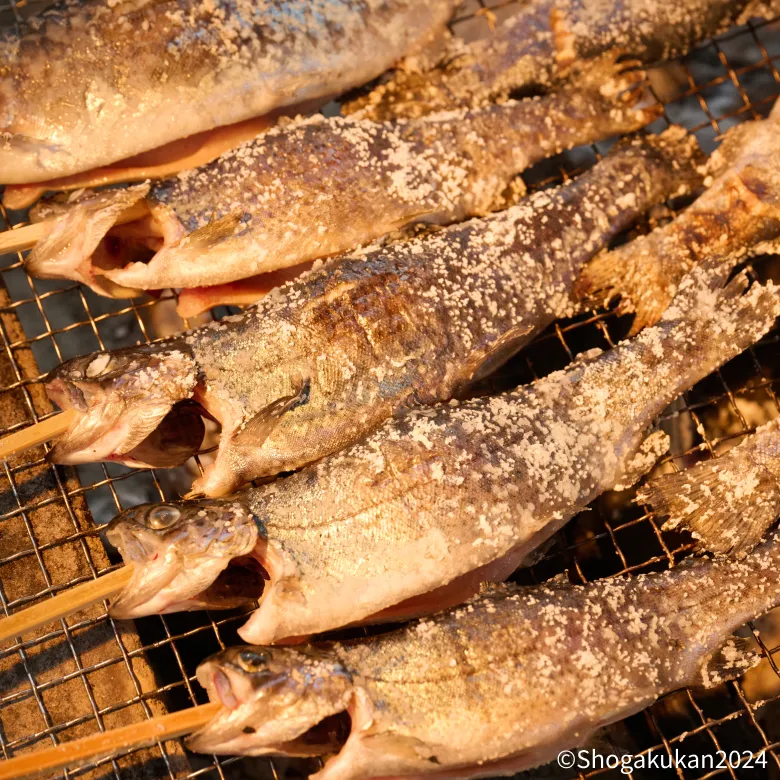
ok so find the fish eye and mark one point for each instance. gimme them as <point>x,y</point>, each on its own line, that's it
<point>97,366</point>
<point>252,661</point>
<point>163,516</point>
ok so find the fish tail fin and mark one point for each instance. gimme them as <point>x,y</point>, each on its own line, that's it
<point>728,503</point>
<point>759,9</point>
<point>722,516</point>
<point>78,225</point>
<point>708,323</point>
<point>611,81</point>
<point>639,273</point>
<point>633,274</point>
<point>603,97</point>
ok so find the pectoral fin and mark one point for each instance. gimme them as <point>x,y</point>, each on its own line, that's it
<point>256,430</point>
<point>737,656</point>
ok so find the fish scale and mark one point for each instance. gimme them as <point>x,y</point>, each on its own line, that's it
<point>414,516</point>
<point>442,310</point>
<point>142,74</point>
<point>315,187</point>
<point>518,674</point>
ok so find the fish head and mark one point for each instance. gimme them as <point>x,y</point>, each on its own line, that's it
<point>275,700</point>
<point>132,404</point>
<point>180,552</point>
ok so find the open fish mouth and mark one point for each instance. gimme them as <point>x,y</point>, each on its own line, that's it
<point>118,433</point>
<point>187,555</point>
<point>270,705</point>
<point>94,233</point>
<point>135,407</point>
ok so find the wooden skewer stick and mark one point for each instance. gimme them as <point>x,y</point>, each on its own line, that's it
<point>65,603</point>
<point>108,743</point>
<point>18,239</point>
<point>37,434</point>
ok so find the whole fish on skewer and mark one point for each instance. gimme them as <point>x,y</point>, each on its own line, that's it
<point>88,82</point>
<point>729,502</point>
<point>500,685</point>
<point>327,358</point>
<point>318,187</point>
<point>737,216</point>
<point>413,517</point>
<point>537,47</point>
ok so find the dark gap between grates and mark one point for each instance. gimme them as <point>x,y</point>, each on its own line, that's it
<point>49,512</point>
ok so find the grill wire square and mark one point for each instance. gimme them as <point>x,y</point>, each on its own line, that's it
<point>90,673</point>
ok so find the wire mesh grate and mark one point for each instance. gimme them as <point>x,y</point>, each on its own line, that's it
<point>90,673</point>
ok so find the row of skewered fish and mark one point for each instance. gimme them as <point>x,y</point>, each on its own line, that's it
<point>406,498</point>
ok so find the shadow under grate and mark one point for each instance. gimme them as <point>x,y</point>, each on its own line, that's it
<point>92,673</point>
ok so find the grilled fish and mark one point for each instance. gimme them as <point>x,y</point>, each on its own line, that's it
<point>737,216</point>
<point>729,502</point>
<point>327,358</point>
<point>415,515</point>
<point>319,187</point>
<point>537,47</point>
<point>88,82</point>
<point>497,686</point>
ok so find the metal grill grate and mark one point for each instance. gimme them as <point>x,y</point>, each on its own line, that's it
<point>91,673</point>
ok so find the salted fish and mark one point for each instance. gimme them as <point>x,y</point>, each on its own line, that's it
<point>497,686</point>
<point>327,358</point>
<point>736,217</point>
<point>88,82</point>
<point>415,515</point>
<point>728,502</point>
<point>536,48</point>
<point>318,187</point>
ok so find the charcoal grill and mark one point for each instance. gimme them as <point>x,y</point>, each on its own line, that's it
<point>90,673</point>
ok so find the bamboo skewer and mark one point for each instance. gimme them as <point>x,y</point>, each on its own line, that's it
<point>19,239</point>
<point>65,603</point>
<point>37,434</point>
<point>108,743</point>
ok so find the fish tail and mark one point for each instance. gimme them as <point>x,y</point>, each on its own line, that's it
<point>706,325</point>
<point>727,503</point>
<point>77,227</point>
<point>603,97</point>
<point>638,273</point>
<point>634,273</point>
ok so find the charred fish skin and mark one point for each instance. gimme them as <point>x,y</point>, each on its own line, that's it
<point>318,187</point>
<point>451,490</point>
<point>142,74</point>
<point>737,216</point>
<point>536,47</point>
<point>325,359</point>
<point>417,514</point>
<point>728,502</point>
<point>501,684</point>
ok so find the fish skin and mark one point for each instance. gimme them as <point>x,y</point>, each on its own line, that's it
<point>536,47</point>
<point>327,358</point>
<point>737,216</point>
<point>728,502</point>
<point>89,82</point>
<point>440,493</point>
<point>499,685</point>
<point>317,186</point>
